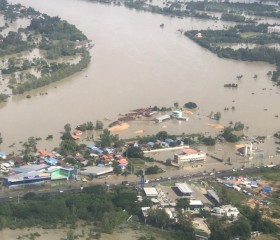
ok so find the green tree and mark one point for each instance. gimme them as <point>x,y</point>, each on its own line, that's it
<point>217,116</point>
<point>1,139</point>
<point>229,136</point>
<point>134,152</point>
<point>190,105</point>
<point>68,146</point>
<point>99,125</point>
<point>225,199</point>
<point>241,228</point>
<point>238,126</point>
<point>105,138</point>
<point>89,126</point>
<point>209,141</point>
<point>183,203</point>
<point>218,231</point>
<point>67,128</point>
<point>158,217</point>
<point>162,135</point>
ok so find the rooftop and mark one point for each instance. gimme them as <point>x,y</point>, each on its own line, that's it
<point>150,191</point>
<point>184,188</point>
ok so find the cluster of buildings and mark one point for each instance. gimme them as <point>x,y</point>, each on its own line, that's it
<point>247,186</point>
<point>274,29</point>
<point>51,166</point>
<point>226,210</point>
<point>162,200</point>
<point>177,114</point>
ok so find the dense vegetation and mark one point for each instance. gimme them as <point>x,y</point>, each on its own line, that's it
<point>256,9</point>
<point>57,72</point>
<point>190,105</point>
<point>55,37</point>
<point>240,34</point>
<point>94,204</point>
<point>102,209</point>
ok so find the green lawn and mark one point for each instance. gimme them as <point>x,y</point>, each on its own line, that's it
<point>235,196</point>
<point>250,34</point>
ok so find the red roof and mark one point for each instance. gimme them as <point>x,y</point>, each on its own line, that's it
<point>190,151</point>
<point>75,137</point>
<point>122,161</point>
<point>43,152</point>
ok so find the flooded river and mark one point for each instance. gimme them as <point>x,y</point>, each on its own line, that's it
<point>136,63</point>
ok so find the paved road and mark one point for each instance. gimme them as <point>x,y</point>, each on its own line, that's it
<point>171,175</point>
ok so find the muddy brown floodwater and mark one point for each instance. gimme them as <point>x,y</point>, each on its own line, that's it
<point>136,63</point>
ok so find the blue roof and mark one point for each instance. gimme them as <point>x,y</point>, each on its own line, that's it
<point>99,151</point>
<point>94,148</point>
<point>109,150</point>
<point>3,154</point>
<point>100,165</point>
<point>164,144</point>
<point>91,146</point>
<point>51,161</point>
<point>267,189</point>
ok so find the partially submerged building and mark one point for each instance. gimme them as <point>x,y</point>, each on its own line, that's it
<point>162,118</point>
<point>189,155</point>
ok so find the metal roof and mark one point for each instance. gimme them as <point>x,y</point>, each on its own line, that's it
<point>195,203</point>
<point>150,191</point>
<point>30,168</point>
<point>184,188</point>
<point>95,170</point>
<point>213,194</point>
<point>163,117</point>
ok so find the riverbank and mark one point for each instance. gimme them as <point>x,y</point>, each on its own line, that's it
<point>77,99</point>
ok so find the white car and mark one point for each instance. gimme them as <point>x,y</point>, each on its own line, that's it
<point>233,170</point>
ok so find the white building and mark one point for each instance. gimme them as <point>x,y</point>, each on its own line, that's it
<point>275,29</point>
<point>151,192</point>
<point>178,115</point>
<point>184,188</point>
<point>189,155</point>
<point>226,210</point>
<point>162,118</point>
<point>196,204</point>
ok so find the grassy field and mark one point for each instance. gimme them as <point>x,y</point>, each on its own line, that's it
<point>235,196</point>
<point>250,34</point>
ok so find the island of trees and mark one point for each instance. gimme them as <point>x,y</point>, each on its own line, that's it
<point>55,38</point>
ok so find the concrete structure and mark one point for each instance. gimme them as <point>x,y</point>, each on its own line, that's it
<point>162,118</point>
<point>178,115</point>
<point>189,155</point>
<point>226,210</point>
<point>196,204</point>
<point>213,195</point>
<point>248,150</point>
<point>184,188</point>
<point>36,174</point>
<point>150,191</point>
<point>95,170</point>
<point>275,29</point>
